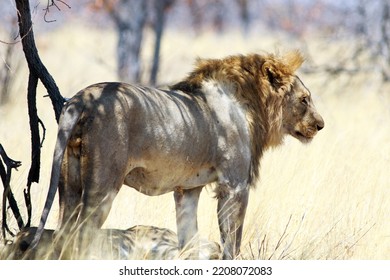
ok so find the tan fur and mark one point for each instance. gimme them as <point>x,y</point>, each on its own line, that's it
<point>136,243</point>
<point>212,127</point>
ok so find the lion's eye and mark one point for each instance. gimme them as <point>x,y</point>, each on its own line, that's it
<point>305,100</point>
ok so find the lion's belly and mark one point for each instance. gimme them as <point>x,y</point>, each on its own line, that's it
<point>156,182</point>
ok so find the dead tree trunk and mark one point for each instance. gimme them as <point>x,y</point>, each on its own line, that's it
<point>37,72</point>
<point>385,40</point>
<point>8,70</point>
<point>129,17</point>
<point>244,15</point>
<point>160,7</point>
<point>33,60</point>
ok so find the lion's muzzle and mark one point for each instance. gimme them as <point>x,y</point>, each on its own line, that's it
<point>320,121</point>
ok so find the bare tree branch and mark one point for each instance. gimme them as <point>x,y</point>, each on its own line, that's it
<point>5,175</point>
<point>52,3</point>
<point>31,53</point>
<point>37,72</point>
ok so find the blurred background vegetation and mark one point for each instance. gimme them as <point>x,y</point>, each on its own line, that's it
<point>364,25</point>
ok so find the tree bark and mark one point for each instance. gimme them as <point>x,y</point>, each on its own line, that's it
<point>129,17</point>
<point>35,64</point>
<point>37,72</point>
<point>385,40</point>
<point>244,15</point>
<point>160,7</point>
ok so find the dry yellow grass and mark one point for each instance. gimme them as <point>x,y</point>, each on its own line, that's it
<point>326,200</point>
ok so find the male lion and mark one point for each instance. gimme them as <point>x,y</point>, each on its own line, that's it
<point>211,127</point>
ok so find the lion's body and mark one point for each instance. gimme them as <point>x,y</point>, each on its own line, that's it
<point>211,127</point>
<point>135,243</point>
<point>149,133</point>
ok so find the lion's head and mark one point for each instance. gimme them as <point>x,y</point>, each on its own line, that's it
<point>276,101</point>
<point>290,107</point>
<point>300,117</point>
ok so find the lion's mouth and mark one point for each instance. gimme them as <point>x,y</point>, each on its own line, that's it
<point>302,137</point>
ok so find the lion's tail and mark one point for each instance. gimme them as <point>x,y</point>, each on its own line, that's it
<point>69,119</point>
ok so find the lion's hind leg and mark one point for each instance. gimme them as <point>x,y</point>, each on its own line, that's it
<point>102,174</point>
<point>70,190</point>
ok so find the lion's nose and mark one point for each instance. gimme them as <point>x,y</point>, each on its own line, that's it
<point>320,124</point>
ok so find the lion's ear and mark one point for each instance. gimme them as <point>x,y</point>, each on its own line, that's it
<point>293,60</point>
<point>278,70</point>
<point>272,71</point>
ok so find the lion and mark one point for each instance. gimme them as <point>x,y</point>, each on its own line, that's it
<point>136,243</point>
<point>211,127</point>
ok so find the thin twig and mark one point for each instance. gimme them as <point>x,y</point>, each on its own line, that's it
<point>281,238</point>
<point>284,252</point>
<point>43,131</point>
<point>7,194</point>
<point>18,41</point>
<point>53,4</point>
<point>361,237</point>
<point>356,241</point>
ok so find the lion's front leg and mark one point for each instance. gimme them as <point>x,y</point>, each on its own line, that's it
<point>186,215</point>
<point>232,206</point>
